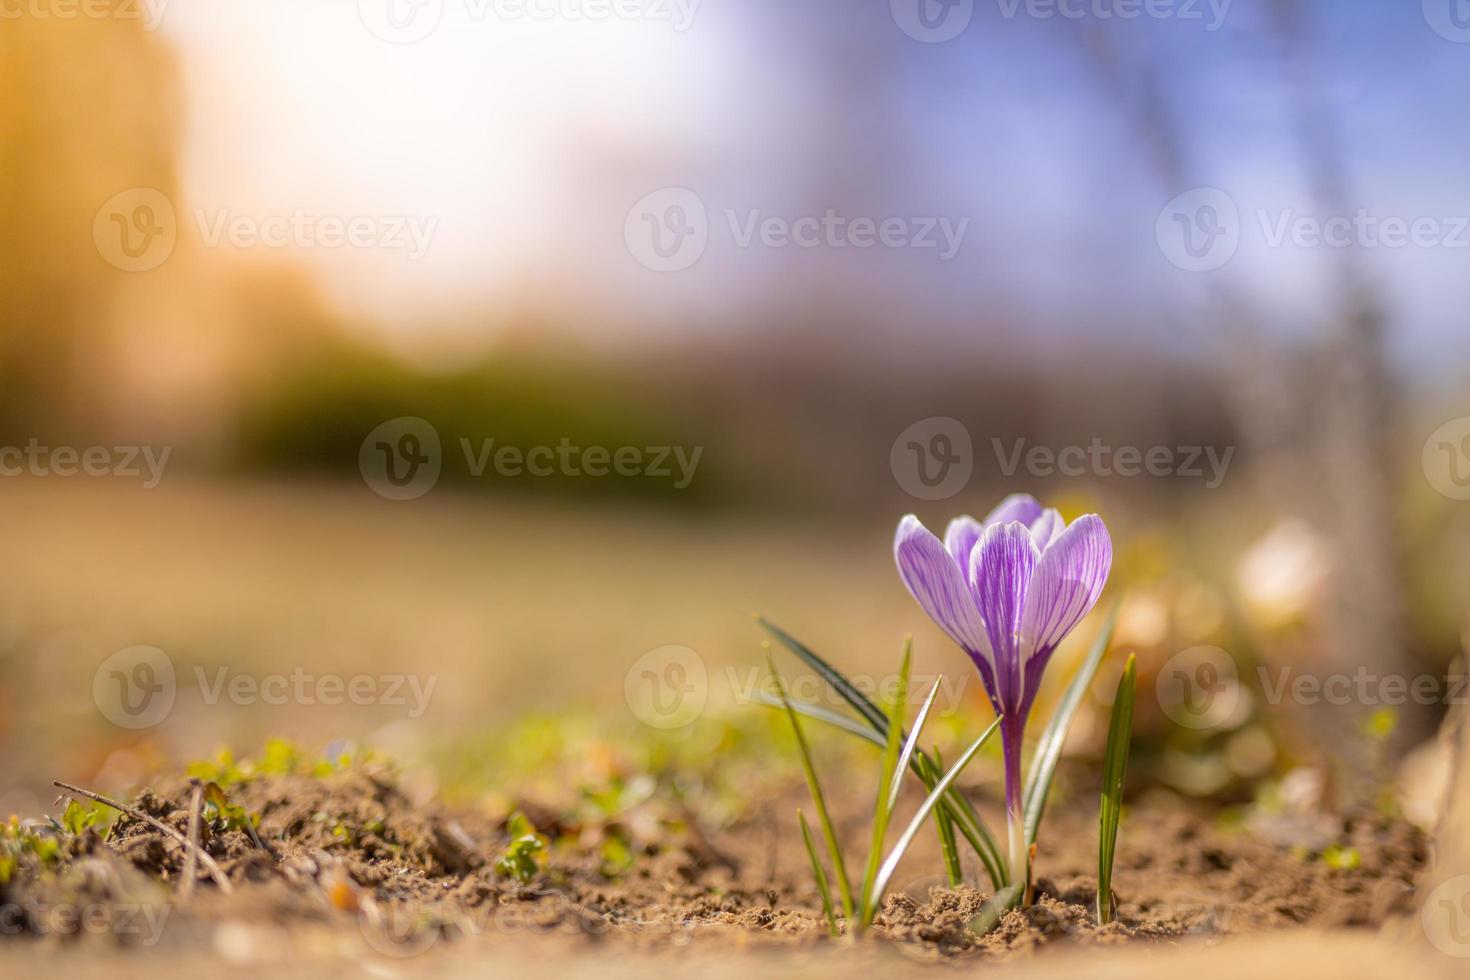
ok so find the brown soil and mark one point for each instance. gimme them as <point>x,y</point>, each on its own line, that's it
<point>353,854</point>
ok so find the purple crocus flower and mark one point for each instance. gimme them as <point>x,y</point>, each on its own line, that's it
<point>1008,589</point>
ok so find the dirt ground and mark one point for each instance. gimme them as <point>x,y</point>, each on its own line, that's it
<point>346,858</point>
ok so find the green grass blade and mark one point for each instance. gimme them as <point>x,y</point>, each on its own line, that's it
<point>886,778</point>
<point>822,714</point>
<point>909,745</point>
<point>944,825</point>
<point>818,873</point>
<point>1049,749</point>
<point>870,712</point>
<point>907,837</point>
<point>991,911</point>
<point>839,869</point>
<point>1115,768</point>
<point>971,827</point>
<point>953,812</point>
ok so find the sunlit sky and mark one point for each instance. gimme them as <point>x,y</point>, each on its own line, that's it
<point>522,143</point>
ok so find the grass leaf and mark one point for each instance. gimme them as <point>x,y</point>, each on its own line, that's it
<point>992,910</point>
<point>907,837</point>
<point>1115,768</point>
<point>1049,749</point>
<point>822,714</point>
<point>819,873</point>
<point>839,869</point>
<point>944,825</point>
<point>888,776</point>
<point>909,745</point>
<point>961,811</point>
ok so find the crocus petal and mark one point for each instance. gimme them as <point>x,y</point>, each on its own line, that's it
<point>1047,527</point>
<point>1069,577</point>
<point>1001,568</point>
<point>935,580</point>
<point>960,538</point>
<point>1017,507</point>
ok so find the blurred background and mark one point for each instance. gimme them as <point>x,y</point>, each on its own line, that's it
<point>294,272</point>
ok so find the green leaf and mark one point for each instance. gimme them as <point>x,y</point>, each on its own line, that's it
<point>822,714</point>
<point>909,745</point>
<point>1115,768</point>
<point>821,875</point>
<point>960,809</point>
<point>1049,749</point>
<point>992,910</point>
<point>839,869</point>
<point>888,777</point>
<point>520,860</point>
<point>944,825</point>
<point>907,837</point>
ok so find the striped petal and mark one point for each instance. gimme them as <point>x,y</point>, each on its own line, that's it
<point>1017,507</point>
<point>1047,527</point>
<point>1068,580</point>
<point>960,538</point>
<point>1001,569</point>
<point>936,582</point>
